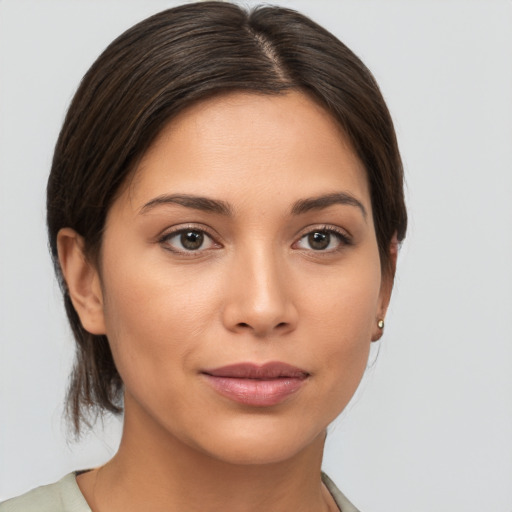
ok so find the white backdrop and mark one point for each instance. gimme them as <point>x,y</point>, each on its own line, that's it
<point>431,426</point>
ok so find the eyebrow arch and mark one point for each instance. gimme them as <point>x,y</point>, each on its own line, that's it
<point>324,201</point>
<point>190,201</point>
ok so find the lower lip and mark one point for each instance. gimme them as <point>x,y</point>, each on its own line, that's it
<point>256,392</point>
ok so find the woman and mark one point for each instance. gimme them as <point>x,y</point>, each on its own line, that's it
<point>224,210</point>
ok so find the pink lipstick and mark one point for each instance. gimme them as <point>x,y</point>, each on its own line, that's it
<point>256,385</point>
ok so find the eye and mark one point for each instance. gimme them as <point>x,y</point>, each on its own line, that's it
<point>187,240</point>
<point>326,239</point>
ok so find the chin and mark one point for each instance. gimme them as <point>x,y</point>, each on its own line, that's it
<point>260,442</point>
<point>256,452</point>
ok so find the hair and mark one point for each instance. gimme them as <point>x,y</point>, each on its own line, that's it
<point>165,64</point>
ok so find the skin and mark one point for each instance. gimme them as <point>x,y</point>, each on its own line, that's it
<point>255,291</point>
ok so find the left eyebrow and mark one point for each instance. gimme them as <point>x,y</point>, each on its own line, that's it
<point>205,204</point>
<point>324,201</point>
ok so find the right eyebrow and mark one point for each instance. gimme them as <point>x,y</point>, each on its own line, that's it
<point>324,201</point>
<point>205,204</point>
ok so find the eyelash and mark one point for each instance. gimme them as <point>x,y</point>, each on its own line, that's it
<point>343,239</point>
<point>164,240</point>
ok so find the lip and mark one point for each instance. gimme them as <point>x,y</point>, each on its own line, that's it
<point>256,385</point>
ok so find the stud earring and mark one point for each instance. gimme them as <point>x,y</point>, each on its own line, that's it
<point>380,324</point>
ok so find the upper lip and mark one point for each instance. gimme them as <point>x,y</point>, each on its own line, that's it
<point>267,371</point>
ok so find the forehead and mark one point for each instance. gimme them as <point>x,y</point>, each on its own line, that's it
<point>243,144</point>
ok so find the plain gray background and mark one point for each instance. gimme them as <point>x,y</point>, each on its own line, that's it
<point>431,425</point>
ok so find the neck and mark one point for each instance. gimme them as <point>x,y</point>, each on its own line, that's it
<point>154,470</point>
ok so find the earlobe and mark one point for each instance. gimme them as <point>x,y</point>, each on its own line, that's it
<point>82,280</point>
<point>386,289</point>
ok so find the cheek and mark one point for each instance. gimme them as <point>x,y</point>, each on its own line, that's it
<point>343,315</point>
<point>155,318</point>
<point>346,300</point>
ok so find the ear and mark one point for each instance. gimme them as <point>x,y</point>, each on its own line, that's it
<point>386,287</point>
<point>82,280</point>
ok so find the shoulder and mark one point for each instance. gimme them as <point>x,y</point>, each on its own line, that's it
<point>341,500</point>
<point>62,496</point>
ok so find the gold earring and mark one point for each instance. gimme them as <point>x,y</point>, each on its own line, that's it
<point>380,324</point>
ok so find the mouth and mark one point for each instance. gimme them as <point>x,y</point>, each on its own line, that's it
<point>256,385</point>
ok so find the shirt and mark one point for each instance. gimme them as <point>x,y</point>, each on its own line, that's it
<point>65,496</point>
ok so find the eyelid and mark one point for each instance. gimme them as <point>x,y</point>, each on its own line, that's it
<point>169,233</point>
<point>341,234</point>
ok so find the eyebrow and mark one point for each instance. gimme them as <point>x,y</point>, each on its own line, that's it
<point>190,201</point>
<point>207,204</point>
<point>324,201</point>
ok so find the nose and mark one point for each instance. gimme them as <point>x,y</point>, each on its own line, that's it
<point>258,296</point>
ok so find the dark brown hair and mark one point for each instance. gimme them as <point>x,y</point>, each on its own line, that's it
<point>165,64</point>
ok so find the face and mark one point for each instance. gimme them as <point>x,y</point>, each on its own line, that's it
<point>240,278</point>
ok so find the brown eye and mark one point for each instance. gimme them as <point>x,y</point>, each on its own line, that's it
<point>319,240</point>
<point>326,240</point>
<point>187,240</point>
<point>192,240</point>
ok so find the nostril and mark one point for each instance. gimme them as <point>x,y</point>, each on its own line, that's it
<point>245,325</point>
